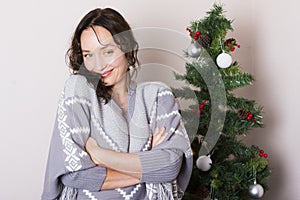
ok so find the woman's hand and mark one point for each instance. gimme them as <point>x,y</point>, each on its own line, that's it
<point>159,136</point>
<point>115,179</point>
<point>127,163</point>
<point>93,148</point>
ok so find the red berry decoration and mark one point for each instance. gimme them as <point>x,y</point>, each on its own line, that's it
<point>231,43</point>
<point>201,106</point>
<point>254,119</point>
<point>249,117</point>
<point>194,36</point>
<point>261,151</point>
<point>263,154</point>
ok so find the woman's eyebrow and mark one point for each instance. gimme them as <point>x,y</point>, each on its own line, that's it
<point>102,47</point>
<point>85,50</point>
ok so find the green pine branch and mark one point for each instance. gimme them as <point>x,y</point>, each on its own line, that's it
<point>231,173</point>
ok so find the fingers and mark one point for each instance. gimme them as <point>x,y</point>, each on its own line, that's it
<point>159,131</point>
<point>91,144</point>
<point>91,141</point>
<point>159,136</point>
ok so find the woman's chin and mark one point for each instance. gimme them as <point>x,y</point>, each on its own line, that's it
<point>107,82</point>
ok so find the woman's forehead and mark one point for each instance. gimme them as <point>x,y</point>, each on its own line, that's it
<point>94,37</point>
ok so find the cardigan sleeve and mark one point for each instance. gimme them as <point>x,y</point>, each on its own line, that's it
<point>90,179</point>
<point>160,165</point>
<point>68,163</point>
<point>169,160</point>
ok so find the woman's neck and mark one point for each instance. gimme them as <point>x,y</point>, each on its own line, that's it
<point>121,88</point>
<point>119,93</point>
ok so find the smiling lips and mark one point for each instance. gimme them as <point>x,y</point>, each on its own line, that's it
<point>106,73</point>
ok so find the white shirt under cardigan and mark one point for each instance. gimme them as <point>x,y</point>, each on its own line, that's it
<point>166,168</point>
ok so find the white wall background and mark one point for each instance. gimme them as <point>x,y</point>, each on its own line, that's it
<point>35,35</point>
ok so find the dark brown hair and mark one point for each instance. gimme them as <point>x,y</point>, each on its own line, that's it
<point>123,37</point>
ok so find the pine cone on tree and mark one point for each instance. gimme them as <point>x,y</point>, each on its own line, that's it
<point>242,113</point>
<point>204,40</point>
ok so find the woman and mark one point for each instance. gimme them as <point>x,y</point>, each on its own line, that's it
<point>114,138</point>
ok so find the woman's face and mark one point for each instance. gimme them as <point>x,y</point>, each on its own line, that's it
<point>102,56</point>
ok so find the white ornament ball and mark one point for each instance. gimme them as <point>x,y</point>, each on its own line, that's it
<point>256,191</point>
<point>194,50</point>
<point>224,60</point>
<point>204,163</point>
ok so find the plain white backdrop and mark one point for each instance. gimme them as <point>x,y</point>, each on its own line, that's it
<point>36,34</point>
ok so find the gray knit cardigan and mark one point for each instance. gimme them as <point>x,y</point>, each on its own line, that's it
<point>166,168</point>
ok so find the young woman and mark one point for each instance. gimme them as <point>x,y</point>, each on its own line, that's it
<point>114,138</point>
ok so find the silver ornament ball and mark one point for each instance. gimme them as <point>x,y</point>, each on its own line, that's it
<point>194,50</point>
<point>224,60</point>
<point>204,163</point>
<point>256,191</point>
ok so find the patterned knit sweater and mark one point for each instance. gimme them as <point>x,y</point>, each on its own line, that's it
<point>166,168</point>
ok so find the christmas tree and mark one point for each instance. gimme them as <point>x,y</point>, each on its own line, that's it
<point>224,166</point>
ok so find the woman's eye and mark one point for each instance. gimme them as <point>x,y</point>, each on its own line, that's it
<point>88,55</point>
<point>108,52</point>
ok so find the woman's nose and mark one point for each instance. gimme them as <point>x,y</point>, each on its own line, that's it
<point>101,68</point>
<point>100,63</point>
